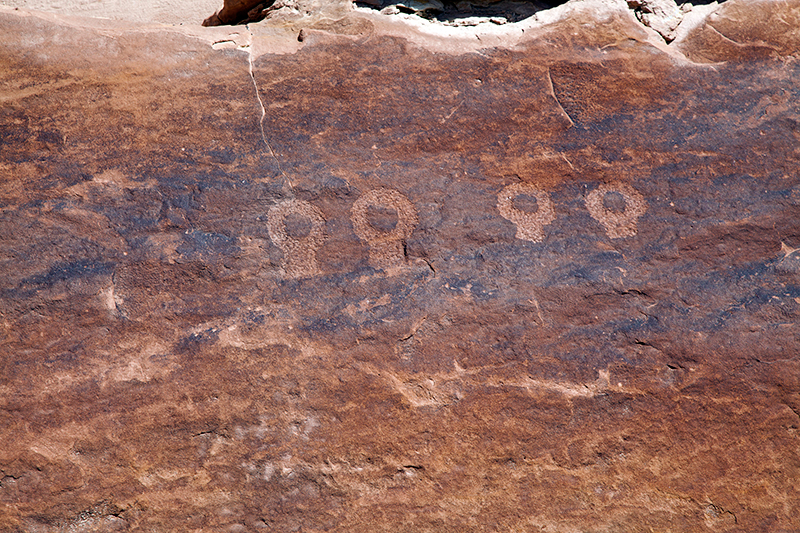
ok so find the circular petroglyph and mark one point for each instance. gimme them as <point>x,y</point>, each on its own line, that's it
<point>530,224</point>
<point>299,253</point>
<point>618,221</point>
<point>386,242</point>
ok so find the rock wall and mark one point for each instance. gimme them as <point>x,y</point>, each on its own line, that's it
<point>369,274</point>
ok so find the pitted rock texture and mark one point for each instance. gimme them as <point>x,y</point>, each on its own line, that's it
<point>364,285</point>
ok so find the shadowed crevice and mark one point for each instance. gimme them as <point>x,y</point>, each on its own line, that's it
<point>453,11</point>
<point>653,13</point>
<point>236,12</point>
<point>663,16</point>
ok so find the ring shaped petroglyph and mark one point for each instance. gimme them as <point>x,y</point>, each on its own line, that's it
<point>530,224</point>
<point>299,254</point>
<point>617,224</point>
<point>386,248</point>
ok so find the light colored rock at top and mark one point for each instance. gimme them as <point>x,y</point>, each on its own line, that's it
<point>174,12</point>
<point>664,16</point>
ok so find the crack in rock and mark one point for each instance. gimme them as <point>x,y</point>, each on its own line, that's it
<point>249,49</point>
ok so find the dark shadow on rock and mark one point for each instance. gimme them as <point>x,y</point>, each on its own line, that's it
<point>240,12</point>
<point>450,10</point>
<point>500,11</point>
<point>457,12</point>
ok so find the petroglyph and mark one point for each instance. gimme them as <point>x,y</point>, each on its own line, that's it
<point>299,253</point>
<point>386,247</point>
<point>617,223</point>
<point>530,224</point>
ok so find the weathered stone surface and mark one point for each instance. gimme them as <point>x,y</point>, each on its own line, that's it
<point>175,12</point>
<point>391,278</point>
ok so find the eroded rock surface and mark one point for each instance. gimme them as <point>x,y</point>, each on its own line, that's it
<point>387,279</point>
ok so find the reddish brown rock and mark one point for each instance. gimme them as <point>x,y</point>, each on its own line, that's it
<point>390,278</point>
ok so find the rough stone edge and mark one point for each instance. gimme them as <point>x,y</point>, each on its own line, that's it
<point>111,27</point>
<point>287,31</point>
<point>282,35</point>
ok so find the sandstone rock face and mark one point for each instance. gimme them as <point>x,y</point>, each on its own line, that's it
<point>175,12</point>
<point>390,277</point>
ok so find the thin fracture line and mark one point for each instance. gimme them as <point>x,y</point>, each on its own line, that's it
<point>263,109</point>
<point>445,119</point>
<point>553,94</point>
